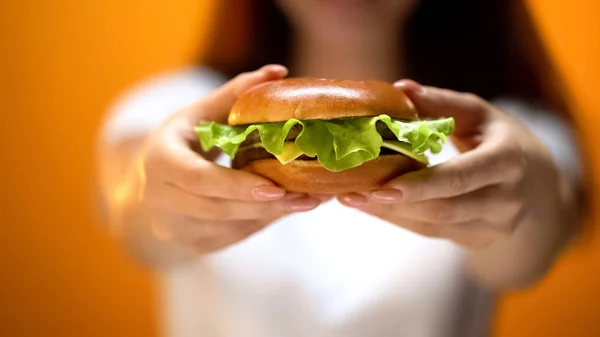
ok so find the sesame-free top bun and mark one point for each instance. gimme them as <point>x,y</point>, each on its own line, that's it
<point>312,98</point>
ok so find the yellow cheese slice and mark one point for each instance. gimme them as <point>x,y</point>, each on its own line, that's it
<point>290,152</point>
<point>405,149</point>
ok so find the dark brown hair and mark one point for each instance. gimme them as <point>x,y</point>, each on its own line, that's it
<point>490,48</point>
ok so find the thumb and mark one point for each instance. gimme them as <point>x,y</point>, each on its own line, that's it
<point>217,104</point>
<point>470,112</point>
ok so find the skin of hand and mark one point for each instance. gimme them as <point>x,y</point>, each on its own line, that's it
<point>196,203</point>
<point>502,198</point>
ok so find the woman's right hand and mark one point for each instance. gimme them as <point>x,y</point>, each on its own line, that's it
<point>196,203</point>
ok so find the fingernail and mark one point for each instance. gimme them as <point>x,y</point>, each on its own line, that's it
<point>278,68</point>
<point>267,192</point>
<point>387,196</point>
<point>411,85</point>
<point>323,197</point>
<point>293,195</point>
<point>302,204</point>
<point>353,200</point>
<point>401,84</point>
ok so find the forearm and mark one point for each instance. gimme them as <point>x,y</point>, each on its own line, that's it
<point>125,215</point>
<point>525,256</point>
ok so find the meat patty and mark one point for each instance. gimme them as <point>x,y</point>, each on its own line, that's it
<point>254,137</point>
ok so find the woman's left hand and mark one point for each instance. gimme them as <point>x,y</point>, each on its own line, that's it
<point>503,181</point>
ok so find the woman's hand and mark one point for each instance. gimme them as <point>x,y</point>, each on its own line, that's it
<point>196,203</point>
<point>502,198</point>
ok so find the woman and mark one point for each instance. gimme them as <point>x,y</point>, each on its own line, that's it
<point>422,257</point>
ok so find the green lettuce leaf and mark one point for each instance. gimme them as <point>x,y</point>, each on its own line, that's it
<point>337,144</point>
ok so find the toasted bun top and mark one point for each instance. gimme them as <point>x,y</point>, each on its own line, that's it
<point>312,98</point>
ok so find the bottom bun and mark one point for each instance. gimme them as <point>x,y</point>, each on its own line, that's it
<point>308,176</point>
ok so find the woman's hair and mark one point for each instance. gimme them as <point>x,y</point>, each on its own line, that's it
<point>490,48</point>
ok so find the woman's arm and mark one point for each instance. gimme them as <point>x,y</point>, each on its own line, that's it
<point>126,128</point>
<point>129,222</point>
<point>162,191</point>
<point>525,256</point>
<point>507,198</point>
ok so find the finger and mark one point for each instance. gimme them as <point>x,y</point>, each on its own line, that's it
<point>218,104</point>
<point>227,234</point>
<point>322,197</point>
<point>174,162</point>
<point>490,164</point>
<point>469,207</point>
<point>203,235</point>
<point>389,213</point>
<point>469,111</point>
<point>470,234</point>
<point>175,200</point>
<point>170,226</point>
<point>496,204</point>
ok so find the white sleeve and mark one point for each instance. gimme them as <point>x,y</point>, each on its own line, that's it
<point>146,105</point>
<point>556,133</point>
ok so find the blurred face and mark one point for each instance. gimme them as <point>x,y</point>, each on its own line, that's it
<point>342,19</point>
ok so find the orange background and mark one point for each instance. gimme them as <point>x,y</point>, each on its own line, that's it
<point>60,66</point>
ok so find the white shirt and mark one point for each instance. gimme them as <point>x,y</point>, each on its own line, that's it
<point>331,272</point>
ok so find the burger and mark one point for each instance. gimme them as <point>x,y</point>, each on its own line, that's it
<point>326,136</point>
